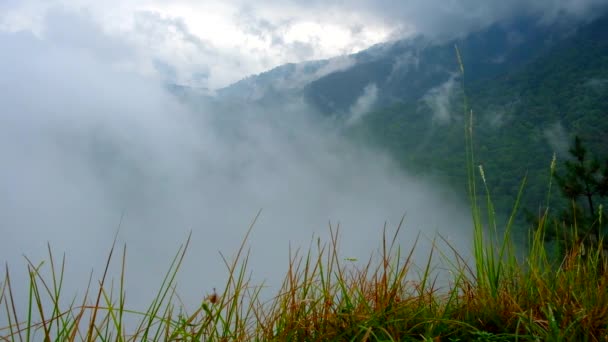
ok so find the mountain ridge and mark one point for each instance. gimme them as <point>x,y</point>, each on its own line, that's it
<point>532,86</point>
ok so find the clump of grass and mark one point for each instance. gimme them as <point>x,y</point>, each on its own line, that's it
<point>326,297</point>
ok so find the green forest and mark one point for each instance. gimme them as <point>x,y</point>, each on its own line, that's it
<point>521,118</point>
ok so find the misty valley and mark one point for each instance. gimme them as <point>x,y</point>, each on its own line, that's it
<point>445,182</point>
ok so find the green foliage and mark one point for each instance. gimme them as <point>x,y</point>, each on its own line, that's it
<point>524,113</point>
<point>577,218</point>
<point>584,179</point>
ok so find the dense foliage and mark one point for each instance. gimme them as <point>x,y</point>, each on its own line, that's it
<point>523,114</point>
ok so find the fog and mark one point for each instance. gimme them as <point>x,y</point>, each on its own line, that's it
<point>89,150</point>
<point>363,104</point>
<point>438,99</point>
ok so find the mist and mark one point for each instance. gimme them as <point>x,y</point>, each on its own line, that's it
<point>438,99</point>
<point>363,104</point>
<point>90,150</point>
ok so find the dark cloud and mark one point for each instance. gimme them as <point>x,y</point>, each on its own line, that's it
<point>449,18</point>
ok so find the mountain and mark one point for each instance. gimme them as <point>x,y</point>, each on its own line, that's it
<point>524,111</point>
<point>531,86</point>
<point>401,70</point>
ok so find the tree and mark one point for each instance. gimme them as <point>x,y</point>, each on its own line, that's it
<point>584,182</point>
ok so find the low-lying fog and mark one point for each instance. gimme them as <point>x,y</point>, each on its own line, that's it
<point>84,144</point>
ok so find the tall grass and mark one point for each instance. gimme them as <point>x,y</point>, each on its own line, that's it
<point>499,296</point>
<point>325,297</point>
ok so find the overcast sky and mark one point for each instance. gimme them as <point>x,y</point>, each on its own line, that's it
<point>214,43</point>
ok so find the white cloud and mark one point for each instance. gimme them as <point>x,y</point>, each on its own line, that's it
<point>363,104</point>
<point>438,99</point>
<point>557,138</point>
<point>305,73</point>
<point>496,118</point>
<point>334,65</point>
<point>226,41</point>
<point>404,63</point>
<point>230,40</point>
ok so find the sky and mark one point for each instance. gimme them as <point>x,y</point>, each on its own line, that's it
<point>92,143</point>
<point>211,44</point>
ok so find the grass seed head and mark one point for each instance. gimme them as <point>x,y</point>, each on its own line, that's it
<point>212,298</point>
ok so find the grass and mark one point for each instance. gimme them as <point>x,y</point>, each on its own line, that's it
<point>500,296</point>
<point>324,297</point>
<point>497,297</point>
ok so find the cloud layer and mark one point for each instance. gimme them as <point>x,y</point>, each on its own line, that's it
<point>213,44</point>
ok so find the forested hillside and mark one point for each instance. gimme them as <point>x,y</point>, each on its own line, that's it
<point>531,85</point>
<point>522,115</point>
